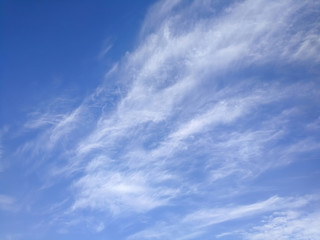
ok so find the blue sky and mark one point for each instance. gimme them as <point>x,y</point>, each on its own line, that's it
<point>160,120</point>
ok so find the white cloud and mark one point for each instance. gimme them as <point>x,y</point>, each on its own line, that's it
<point>287,225</point>
<point>209,217</point>
<point>105,51</point>
<point>195,224</point>
<point>59,124</point>
<point>170,66</point>
<point>157,13</point>
<point>136,149</point>
<point>119,192</point>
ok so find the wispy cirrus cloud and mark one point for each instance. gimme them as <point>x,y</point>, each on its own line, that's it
<point>104,188</point>
<point>208,94</point>
<point>287,225</point>
<point>195,224</point>
<point>165,104</point>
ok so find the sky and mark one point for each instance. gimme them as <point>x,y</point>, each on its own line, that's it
<point>173,119</point>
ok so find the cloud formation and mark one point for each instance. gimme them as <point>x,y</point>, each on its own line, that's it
<point>208,101</point>
<point>174,95</point>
